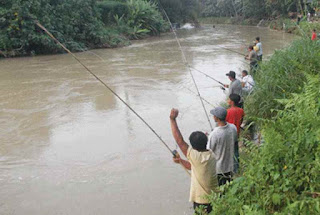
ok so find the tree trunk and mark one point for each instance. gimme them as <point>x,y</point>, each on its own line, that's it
<point>235,8</point>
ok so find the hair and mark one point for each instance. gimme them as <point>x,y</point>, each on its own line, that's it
<point>222,120</point>
<point>198,141</point>
<point>231,76</point>
<point>245,72</point>
<point>235,98</point>
<point>250,47</point>
<point>258,39</point>
<point>314,30</point>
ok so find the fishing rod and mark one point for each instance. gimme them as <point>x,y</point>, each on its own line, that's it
<point>208,76</point>
<point>173,152</point>
<point>186,63</point>
<point>200,97</point>
<point>230,50</point>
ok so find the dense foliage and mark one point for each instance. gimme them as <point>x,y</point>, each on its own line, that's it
<point>181,11</point>
<point>282,176</point>
<point>284,74</point>
<point>254,8</point>
<point>79,24</point>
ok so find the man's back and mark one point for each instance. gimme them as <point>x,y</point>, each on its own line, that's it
<point>253,56</point>
<point>248,82</point>
<point>221,142</point>
<point>235,87</point>
<point>259,47</point>
<point>235,116</point>
<point>202,174</point>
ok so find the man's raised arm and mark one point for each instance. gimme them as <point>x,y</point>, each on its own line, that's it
<point>176,132</point>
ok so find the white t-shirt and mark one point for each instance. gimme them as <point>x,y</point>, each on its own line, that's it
<point>203,175</point>
<point>249,82</point>
<point>221,142</point>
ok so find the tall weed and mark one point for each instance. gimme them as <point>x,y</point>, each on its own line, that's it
<point>283,75</point>
<point>282,175</point>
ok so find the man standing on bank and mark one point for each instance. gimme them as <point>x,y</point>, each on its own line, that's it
<point>200,161</point>
<point>253,58</point>
<point>247,83</point>
<point>259,49</point>
<point>235,86</point>
<point>222,141</point>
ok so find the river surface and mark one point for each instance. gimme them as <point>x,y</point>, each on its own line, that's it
<point>68,146</point>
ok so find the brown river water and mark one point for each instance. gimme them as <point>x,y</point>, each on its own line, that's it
<point>68,146</point>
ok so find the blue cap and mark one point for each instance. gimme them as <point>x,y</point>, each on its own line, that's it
<point>219,112</point>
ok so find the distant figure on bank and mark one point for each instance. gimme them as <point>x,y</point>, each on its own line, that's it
<point>259,49</point>
<point>247,83</point>
<point>314,35</point>
<point>235,85</point>
<point>221,141</point>
<point>201,162</point>
<point>213,26</point>
<point>299,18</point>
<point>253,58</point>
<point>235,116</point>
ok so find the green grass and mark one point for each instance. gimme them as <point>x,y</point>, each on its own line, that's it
<point>282,175</point>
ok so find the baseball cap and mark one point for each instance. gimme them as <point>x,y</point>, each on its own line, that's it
<point>232,74</point>
<point>219,112</point>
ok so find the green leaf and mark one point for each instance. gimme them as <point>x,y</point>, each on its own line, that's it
<point>276,199</point>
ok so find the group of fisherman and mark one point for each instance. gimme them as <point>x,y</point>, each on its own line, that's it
<point>214,157</point>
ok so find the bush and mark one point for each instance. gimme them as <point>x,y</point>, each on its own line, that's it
<point>282,176</point>
<point>144,18</point>
<point>79,24</point>
<point>284,74</point>
<point>110,9</point>
<point>305,28</point>
<point>75,23</point>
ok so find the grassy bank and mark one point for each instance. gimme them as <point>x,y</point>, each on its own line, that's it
<point>281,176</point>
<point>228,21</point>
<point>281,24</point>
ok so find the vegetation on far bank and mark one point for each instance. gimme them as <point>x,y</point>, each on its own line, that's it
<point>84,24</point>
<point>278,15</point>
<point>255,9</point>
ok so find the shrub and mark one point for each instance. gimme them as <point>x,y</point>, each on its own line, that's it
<point>284,74</point>
<point>282,176</point>
<point>110,9</point>
<point>75,23</point>
<point>144,18</point>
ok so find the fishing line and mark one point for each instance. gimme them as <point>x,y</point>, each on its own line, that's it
<point>230,50</point>
<point>113,92</point>
<point>208,76</point>
<point>205,100</point>
<point>186,63</point>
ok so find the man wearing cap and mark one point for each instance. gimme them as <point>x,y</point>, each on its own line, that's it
<point>235,85</point>
<point>221,141</point>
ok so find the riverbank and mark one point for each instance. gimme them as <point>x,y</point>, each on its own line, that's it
<point>282,175</point>
<point>79,25</point>
<point>282,24</point>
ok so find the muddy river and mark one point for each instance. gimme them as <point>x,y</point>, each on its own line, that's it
<point>68,146</point>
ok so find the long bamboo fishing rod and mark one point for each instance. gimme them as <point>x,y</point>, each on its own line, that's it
<point>102,82</point>
<point>208,76</point>
<point>205,100</point>
<point>230,50</point>
<point>186,63</point>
